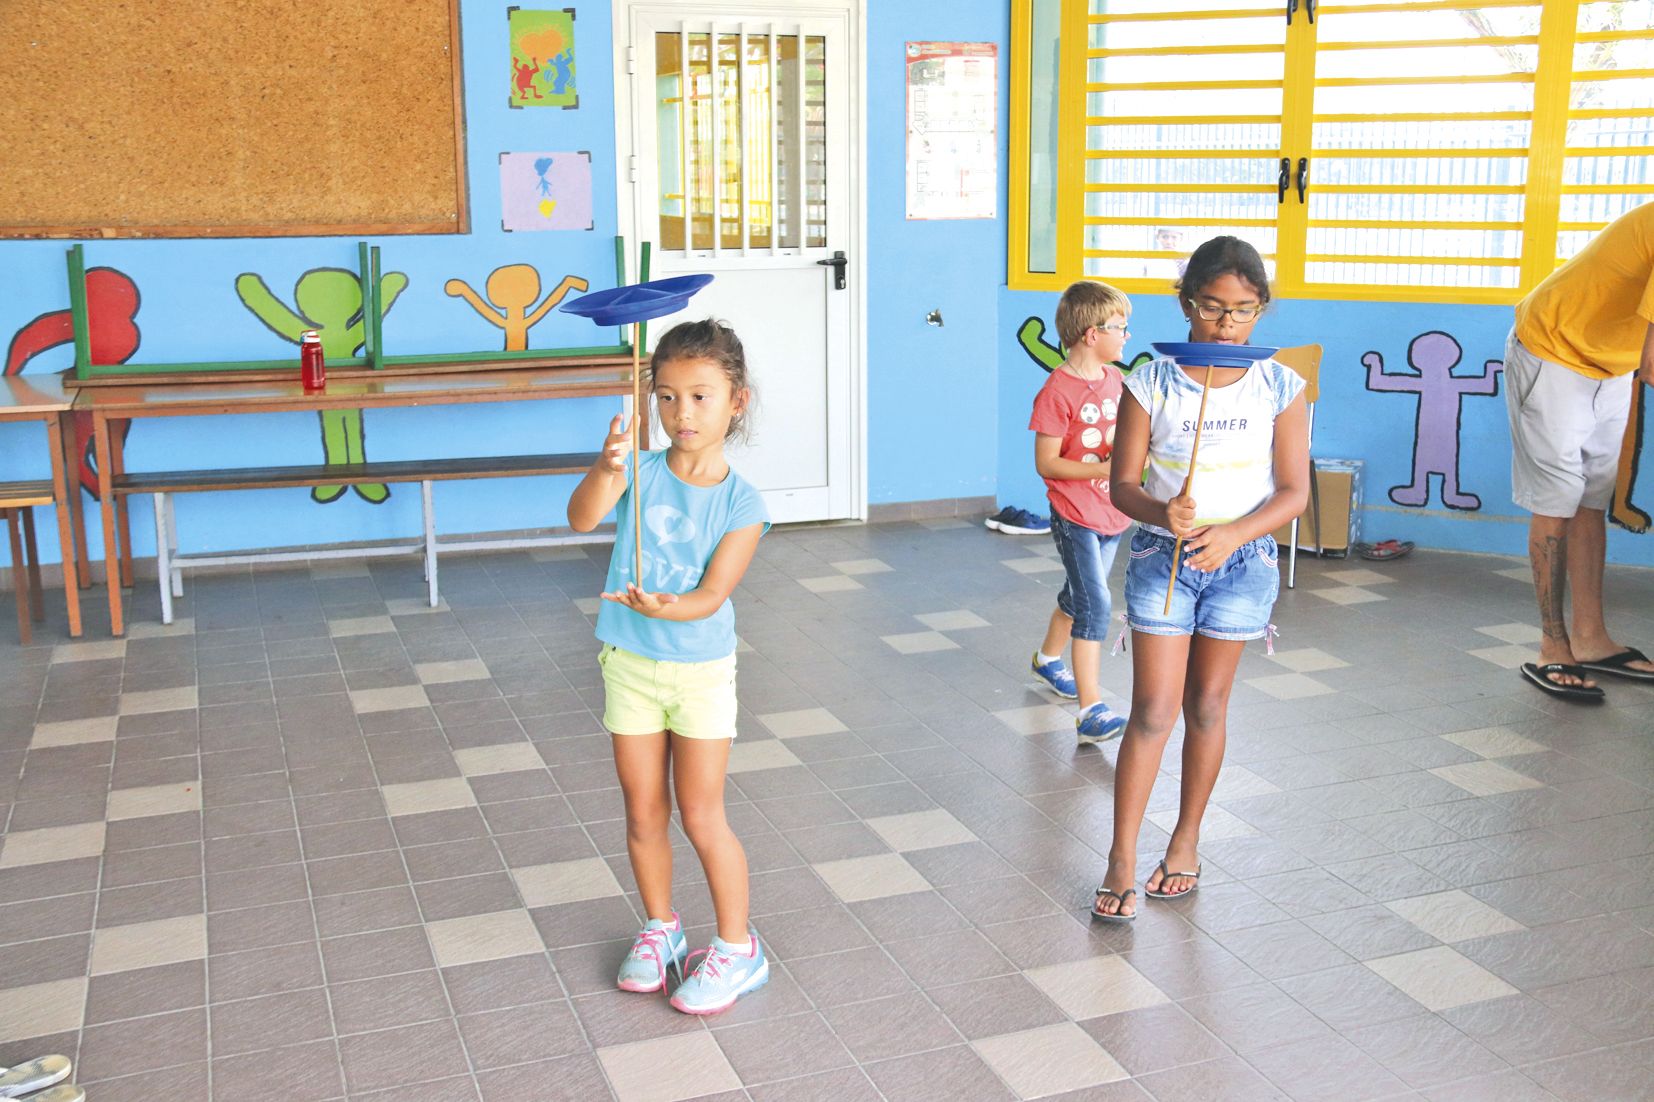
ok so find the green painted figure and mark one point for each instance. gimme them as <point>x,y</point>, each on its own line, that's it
<point>329,301</point>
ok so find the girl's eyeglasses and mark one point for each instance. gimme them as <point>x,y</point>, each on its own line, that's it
<point>1241,314</point>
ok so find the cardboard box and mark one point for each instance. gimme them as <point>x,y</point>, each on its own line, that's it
<point>1339,483</point>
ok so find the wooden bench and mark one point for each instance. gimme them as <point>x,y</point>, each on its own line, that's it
<point>162,485</point>
<point>17,502</point>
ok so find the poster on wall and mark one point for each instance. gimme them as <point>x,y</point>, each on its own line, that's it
<point>952,113</point>
<point>542,58</point>
<point>546,191</point>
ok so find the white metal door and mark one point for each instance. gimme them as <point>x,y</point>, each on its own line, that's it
<point>741,165</point>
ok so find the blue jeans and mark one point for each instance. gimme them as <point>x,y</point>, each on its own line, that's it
<point>1232,602</point>
<point>1087,555</point>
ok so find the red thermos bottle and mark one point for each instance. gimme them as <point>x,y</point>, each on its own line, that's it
<point>312,371</point>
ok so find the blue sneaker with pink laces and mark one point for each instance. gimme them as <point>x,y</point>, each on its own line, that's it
<point>724,974</point>
<point>657,948</point>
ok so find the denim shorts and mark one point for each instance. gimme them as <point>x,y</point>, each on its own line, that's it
<point>1232,602</point>
<point>1087,555</point>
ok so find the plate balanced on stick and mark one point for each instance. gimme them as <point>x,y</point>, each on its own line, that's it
<point>633,305</point>
<point>1195,354</point>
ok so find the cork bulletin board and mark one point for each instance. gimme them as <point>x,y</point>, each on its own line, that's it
<point>197,118</point>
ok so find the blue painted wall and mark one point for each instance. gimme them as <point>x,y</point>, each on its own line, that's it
<point>932,417</point>
<point>1350,421</point>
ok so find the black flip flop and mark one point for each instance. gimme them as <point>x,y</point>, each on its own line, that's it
<point>1540,676</point>
<point>1618,665</point>
<point>1166,874</point>
<point>1104,916</point>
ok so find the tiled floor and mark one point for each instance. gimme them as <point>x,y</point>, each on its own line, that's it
<point>319,842</point>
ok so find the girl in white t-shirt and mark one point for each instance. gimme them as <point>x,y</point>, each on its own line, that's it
<point>1252,476</point>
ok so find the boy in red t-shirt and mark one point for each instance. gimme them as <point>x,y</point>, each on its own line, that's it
<point>1073,423</point>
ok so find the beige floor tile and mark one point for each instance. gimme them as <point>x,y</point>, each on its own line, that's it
<point>160,799</point>
<point>668,1069</point>
<point>1485,778</point>
<point>831,583</point>
<point>1050,1060</point>
<point>441,673</point>
<point>360,625</point>
<point>1348,595</point>
<point>1095,986</point>
<point>1290,686</point>
<point>566,882</point>
<point>147,944</point>
<point>1513,633</point>
<point>589,606</point>
<point>805,721</point>
<point>957,620</point>
<point>1357,576</point>
<point>492,936</point>
<point>921,830</point>
<point>769,753</point>
<point>508,757</point>
<point>159,700</point>
<point>420,796</point>
<point>1307,660</point>
<point>153,629</point>
<point>1453,916</point>
<point>1037,720</point>
<point>65,843</point>
<point>1034,564</point>
<point>882,874</point>
<point>74,732</point>
<point>41,1009</point>
<point>388,700</point>
<point>862,566</point>
<point>557,554</point>
<point>1219,823</point>
<point>1517,574</point>
<point>1509,656</point>
<point>1494,742</point>
<point>89,651</point>
<point>1440,978</point>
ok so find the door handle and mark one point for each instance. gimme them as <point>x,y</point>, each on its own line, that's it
<point>1284,181</point>
<point>1303,178</point>
<point>838,262</point>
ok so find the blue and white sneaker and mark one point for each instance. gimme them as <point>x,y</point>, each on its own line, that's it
<point>724,974</point>
<point>656,949</point>
<point>1025,523</point>
<point>1007,514</point>
<point>1055,674</point>
<point>1098,724</point>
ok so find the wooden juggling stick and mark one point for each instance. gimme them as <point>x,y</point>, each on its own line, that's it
<point>1188,483</point>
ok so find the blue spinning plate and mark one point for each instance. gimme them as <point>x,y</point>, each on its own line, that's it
<point>638,302</point>
<point>1215,355</point>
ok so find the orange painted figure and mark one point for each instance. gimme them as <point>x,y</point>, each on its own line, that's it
<point>511,290</point>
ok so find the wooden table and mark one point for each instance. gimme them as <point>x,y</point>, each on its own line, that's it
<point>112,404</point>
<point>43,398</point>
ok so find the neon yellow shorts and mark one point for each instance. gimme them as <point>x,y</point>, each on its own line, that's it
<point>642,696</point>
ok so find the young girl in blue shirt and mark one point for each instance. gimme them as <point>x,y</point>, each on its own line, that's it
<point>668,655</point>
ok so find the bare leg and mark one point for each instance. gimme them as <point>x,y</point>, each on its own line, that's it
<point>1088,671</point>
<point>1548,552</point>
<point>1157,676</point>
<point>699,766</point>
<point>1212,664</point>
<point>642,763</point>
<point>1587,552</point>
<point>1057,634</point>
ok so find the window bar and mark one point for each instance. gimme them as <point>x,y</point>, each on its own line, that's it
<point>741,98</point>
<point>686,160</point>
<point>772,142</point>
<point>716,143</point>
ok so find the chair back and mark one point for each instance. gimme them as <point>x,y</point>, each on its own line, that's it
<point>1305,359</point>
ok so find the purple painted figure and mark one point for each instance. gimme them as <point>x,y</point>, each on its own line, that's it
<point>1441,396</point>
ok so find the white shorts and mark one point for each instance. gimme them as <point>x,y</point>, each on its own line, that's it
<point>1565,434</point>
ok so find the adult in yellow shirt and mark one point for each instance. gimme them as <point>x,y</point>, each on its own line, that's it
<point>1583,339</point>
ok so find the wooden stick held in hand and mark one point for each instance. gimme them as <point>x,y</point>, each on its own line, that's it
<point>1188,482</point>
<point>637,429</point>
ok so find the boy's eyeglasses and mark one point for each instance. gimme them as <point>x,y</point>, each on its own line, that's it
<point>1241,314</point>
<point>1112,328</point>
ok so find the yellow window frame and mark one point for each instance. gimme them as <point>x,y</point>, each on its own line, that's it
<point>1545,154</point>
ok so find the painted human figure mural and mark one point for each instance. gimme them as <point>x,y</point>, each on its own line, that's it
<point>1441,395</point>
<point>512,289</point>
<point>112,302</point>
<point>329,300</point>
